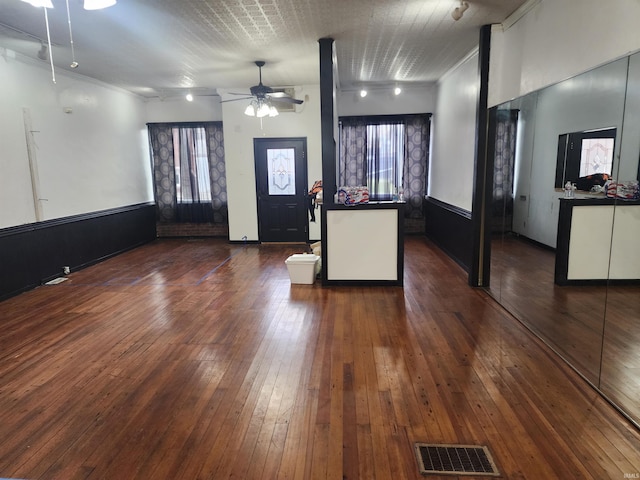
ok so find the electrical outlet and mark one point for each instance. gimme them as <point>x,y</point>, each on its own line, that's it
<point>66,270</point>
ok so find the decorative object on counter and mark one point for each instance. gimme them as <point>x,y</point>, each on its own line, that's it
<point>353,195</point>
<point>624,190</point>
<point>569,190</point>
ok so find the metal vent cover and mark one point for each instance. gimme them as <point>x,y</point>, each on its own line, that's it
<point>444,459</point>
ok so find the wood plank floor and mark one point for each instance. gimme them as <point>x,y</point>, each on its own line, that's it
<point>199,360</point>
<point>595,327</point>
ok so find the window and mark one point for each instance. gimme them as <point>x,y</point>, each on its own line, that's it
<point>596,156</point>
<point>387,154</point>
<point>385,159</point>
<point>281,167</point>
<point>189,172</point>
<point>191,165</point>
<point>583,155</point>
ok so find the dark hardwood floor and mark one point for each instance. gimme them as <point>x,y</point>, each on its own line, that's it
<point>595,327</point>
<point>199,360</point>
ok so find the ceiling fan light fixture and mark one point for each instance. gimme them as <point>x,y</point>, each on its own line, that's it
<point>273,111</point>
<point>40,3</point>
<point>189,97</point>
<point>363,93</point>
<point>98,4</point>
<point>397,91</point>
<point>263,110</point>
<point>250,110</point>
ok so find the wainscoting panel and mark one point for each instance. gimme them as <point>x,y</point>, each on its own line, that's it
<point>36,253</point>
<point>450,228</point>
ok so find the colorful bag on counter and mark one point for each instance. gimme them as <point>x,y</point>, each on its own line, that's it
<point>353,195</point>
<point>624,190</point>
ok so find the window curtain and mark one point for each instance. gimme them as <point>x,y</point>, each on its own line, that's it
<point>217,172</point>
<point>363,158</point>
<point>161,146</point>
<point>352,167</point>
<point>416,173</point>
<point>189,172</point>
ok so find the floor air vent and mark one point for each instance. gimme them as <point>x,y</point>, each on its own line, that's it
<point>455,460</point>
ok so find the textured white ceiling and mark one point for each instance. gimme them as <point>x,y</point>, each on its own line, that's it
<point>163,47</point>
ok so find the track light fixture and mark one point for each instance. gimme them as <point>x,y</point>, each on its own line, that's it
<point>459,11</point>
<point>74,64</point>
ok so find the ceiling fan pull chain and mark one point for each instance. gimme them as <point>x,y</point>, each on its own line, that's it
<point>74,64</point>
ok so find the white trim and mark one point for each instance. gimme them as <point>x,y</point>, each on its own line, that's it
<point>10,54</point>
<point>461,62</point>
<point>519,13</point>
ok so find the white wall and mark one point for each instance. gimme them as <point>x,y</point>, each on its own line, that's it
<point>382,101</point>
<point>558,39</point>
<point>93,158</point>
<point>177,109</point>
<point>454,134</point>
<point>239,132</point>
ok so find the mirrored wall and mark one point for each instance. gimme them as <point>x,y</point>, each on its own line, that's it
<point>565,249</point>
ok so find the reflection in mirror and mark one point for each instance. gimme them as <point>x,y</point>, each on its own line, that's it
<point>585,159</point>
<point>504,122</point>
<point>620,376</point>
<point>570,318</point>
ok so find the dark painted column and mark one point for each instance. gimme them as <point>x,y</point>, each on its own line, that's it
<point>327,120</point>
<point>483,177</point>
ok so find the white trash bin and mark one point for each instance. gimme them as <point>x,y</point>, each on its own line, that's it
<point>302,268</point>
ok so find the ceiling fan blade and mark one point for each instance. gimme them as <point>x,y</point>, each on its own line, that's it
<point>236,99</point>
<point>262,92</point>
<point>278,95</point>
<point>288,100</point>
